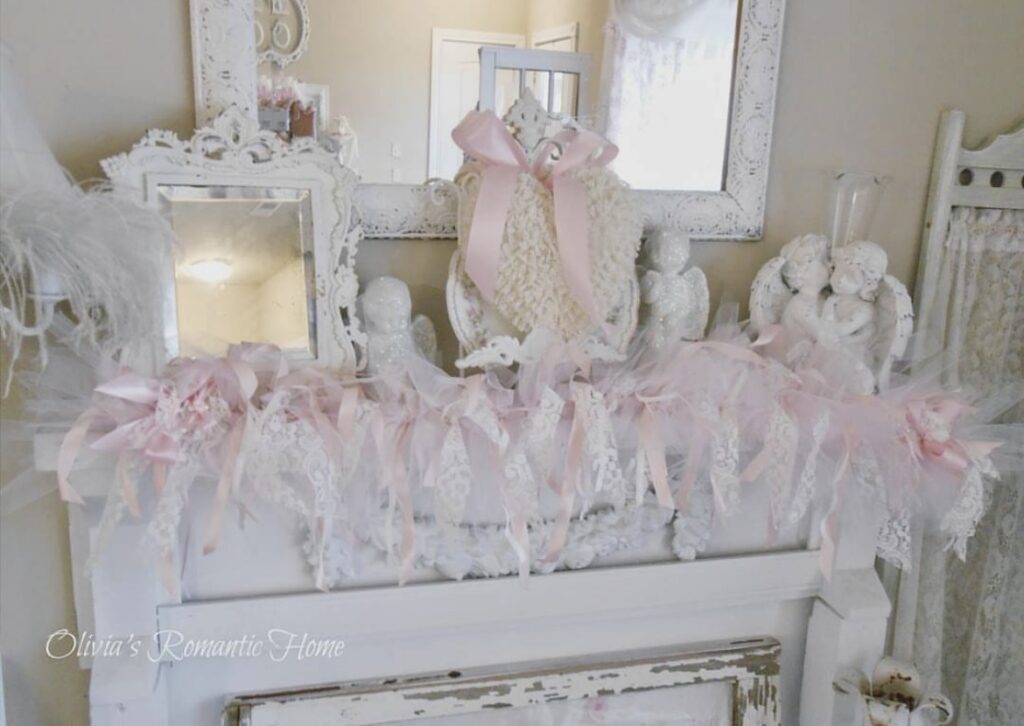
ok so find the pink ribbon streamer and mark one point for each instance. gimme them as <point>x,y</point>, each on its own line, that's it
<point>485,138</point>
<point>830,523</point>
<point>653,448</point>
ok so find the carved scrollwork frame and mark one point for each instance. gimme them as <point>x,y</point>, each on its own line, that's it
<point>296,47</point>
<point>233,151</point>
<point>225,62</point>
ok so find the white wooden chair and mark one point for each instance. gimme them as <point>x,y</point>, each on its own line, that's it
<point>524,60</point>
<point>990,177</point>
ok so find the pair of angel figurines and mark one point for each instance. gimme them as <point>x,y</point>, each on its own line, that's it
<point>836,308</point>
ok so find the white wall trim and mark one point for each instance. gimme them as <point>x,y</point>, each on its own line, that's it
<point>569,31</point>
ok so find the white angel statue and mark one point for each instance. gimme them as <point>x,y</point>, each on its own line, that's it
<point>392,336</point>
<point>869,312</point>
<point>866,316</point>
<point>788,289</point>
<point>677,300</point>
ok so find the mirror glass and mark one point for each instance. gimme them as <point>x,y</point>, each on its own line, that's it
<point>385,81</point>
<point>244,267</point>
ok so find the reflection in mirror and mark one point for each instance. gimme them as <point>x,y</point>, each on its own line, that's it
<point>244,267</point>
<point>385,81</point>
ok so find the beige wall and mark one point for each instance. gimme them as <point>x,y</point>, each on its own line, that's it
<point>590,14</point>
<point>375,56</point>
<point>862,85</point>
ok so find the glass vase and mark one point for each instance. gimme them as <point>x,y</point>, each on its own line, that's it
<point>855,197</point>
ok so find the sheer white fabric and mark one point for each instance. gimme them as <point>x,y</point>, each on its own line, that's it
<point>667,90</point>
<point>968,636</point>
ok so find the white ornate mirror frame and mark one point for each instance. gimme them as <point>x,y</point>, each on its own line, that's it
<point>233,151</point>
<point>225,66</point>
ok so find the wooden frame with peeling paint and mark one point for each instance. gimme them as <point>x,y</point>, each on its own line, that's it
<point>750,667</point>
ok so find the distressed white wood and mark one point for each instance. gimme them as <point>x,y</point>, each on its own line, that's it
<point>234,151</point>
<point>225,75</point>
<point>1004,154</point>
<point>749,667</point>
<point>224,65</point>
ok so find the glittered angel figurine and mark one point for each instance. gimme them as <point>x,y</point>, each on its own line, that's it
<point>677,299</point>
<point>393,336</point>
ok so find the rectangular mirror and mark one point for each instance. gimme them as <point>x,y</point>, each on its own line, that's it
<point>244,270</point>
<point>685,88</point>
<point>266,241</point>
<point>401,75</point>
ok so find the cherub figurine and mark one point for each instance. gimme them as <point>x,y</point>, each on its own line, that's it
<point>858,332</point>
<point>849,312</point>
<point>387,308</point>
<point>804,269</point>
<point>677,301</point>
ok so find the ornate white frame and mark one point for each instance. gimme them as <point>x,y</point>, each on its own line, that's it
<point>224,63</point>
<point>233,151</point>
<point>282,59</point>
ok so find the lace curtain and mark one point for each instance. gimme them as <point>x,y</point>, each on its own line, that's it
<point>968,637</point>
<point>667,90</point>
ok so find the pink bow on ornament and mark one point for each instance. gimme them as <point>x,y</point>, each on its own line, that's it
<point>485,138</point>
<point>932,419</point>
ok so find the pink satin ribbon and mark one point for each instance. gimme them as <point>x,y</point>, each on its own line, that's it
<point>830,523</point>
<point>952,453</point>
<point>485,138</point>
<point>652,446</point>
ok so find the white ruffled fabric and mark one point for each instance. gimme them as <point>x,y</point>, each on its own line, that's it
<point>531,290</point>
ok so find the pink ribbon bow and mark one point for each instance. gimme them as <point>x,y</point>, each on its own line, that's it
<point>932,420</point>
<point>485,138</point>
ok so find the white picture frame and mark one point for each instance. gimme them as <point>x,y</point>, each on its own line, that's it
<point>744,671</point>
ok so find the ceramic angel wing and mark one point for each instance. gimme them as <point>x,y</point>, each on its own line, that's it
<point>698,304</point>
<point>768,295</point>
<point>895,322</point>
<point>425,337</point>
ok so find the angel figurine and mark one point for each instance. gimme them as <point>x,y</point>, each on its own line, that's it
<point>858,331</point>
<point>870,312</point>
<point>849,312</point>
<point>393,335</point>
<point>678,301</point>
<point>788,289</point>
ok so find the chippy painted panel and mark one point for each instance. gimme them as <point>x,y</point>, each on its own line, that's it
<point>730,683</point>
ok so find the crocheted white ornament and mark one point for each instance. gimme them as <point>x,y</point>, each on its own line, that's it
<point>531,290</point>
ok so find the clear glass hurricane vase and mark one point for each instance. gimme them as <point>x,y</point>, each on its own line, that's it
<point>855,198</point>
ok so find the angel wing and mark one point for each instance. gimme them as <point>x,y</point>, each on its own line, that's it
<point>698,304</point>
<point>768,295</point>
<point>425,337</point>
<point>895,322</point>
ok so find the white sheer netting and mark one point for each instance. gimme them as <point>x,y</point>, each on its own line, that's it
<point>667,91</point>
<point>969,626</point>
